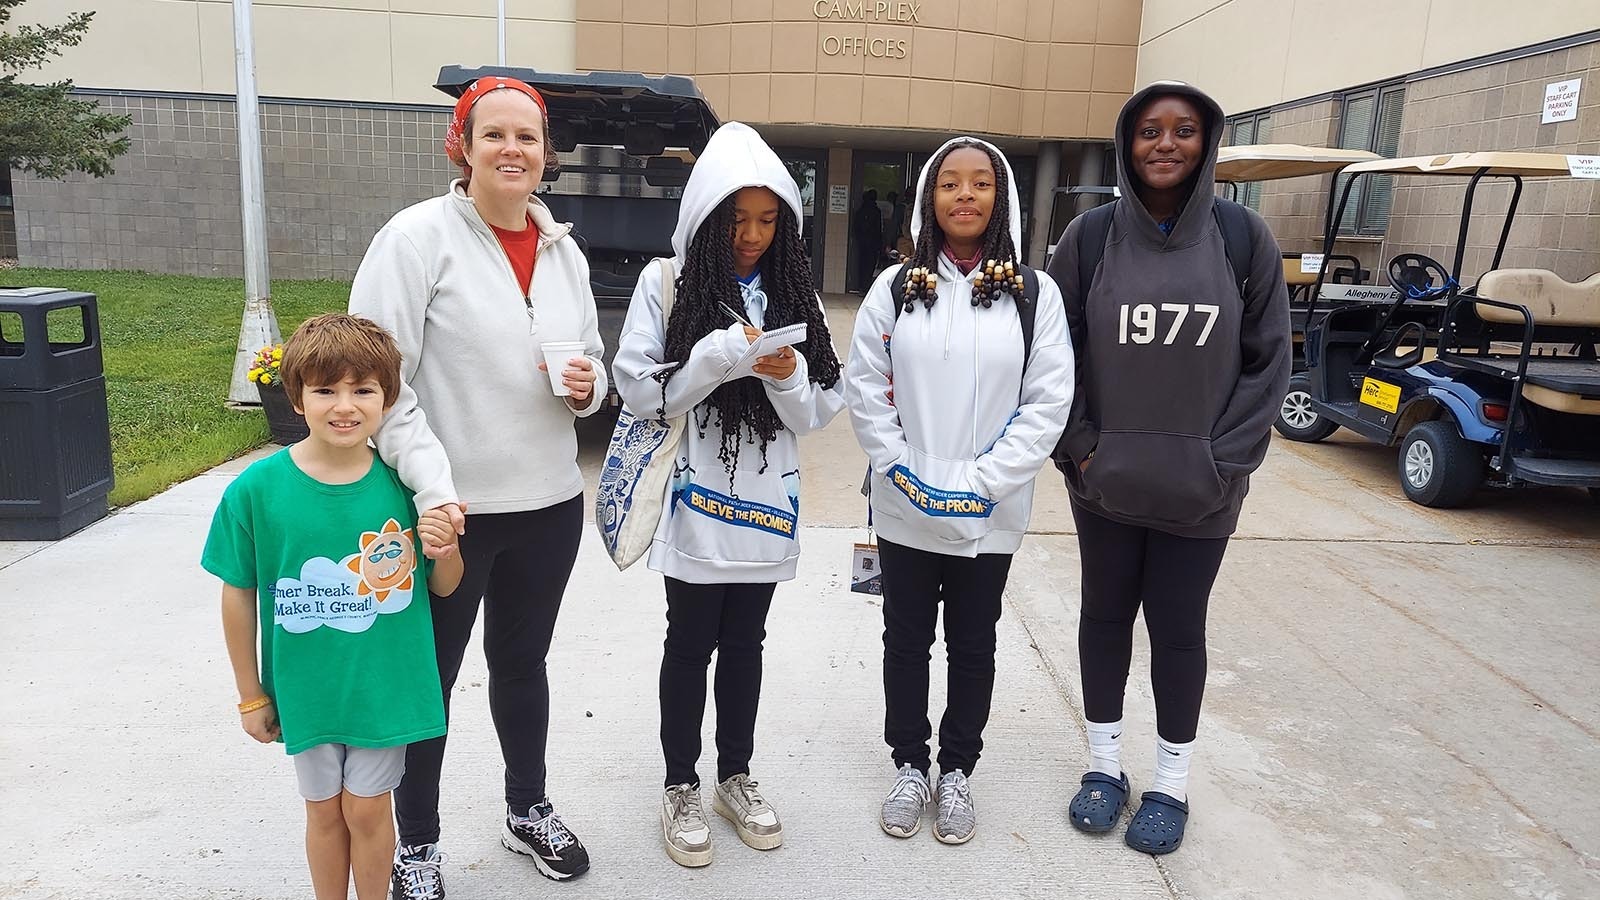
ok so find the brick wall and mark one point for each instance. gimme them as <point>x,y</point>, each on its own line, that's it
<point>1294,206</point>
<point>334,175</point>
<point>1498,108</point>
<point>1495,107</point>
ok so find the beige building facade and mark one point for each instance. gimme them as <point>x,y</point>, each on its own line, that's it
<point>1403,79</point>
<point>854,93</point>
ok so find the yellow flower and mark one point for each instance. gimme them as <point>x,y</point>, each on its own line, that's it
<point>277,354</point>
<point>256,373</point>
<point>266,378</point>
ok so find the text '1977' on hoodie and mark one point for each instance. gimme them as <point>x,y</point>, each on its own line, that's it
<point>715,529</point>
<point>955,421</point>
<point>1180,377</point>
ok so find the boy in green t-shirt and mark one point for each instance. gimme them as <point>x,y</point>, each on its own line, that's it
<point>321,544</point>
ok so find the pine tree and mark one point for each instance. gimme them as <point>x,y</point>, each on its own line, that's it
<point>43,128</point>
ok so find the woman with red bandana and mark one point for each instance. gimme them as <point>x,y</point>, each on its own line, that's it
<point>474,285</point>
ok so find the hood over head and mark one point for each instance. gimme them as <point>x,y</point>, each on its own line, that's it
<point>1012,204</point>
<point>1192,218</point>
<point>736,157</point>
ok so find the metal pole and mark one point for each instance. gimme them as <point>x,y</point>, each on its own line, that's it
<point>1046,175</point>
<point>259,327</point>
<point>500,28</point>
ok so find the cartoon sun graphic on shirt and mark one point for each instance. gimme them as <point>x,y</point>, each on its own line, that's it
<point>386,561</point>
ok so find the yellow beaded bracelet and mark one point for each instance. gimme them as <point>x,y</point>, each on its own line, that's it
<point>253,705</point>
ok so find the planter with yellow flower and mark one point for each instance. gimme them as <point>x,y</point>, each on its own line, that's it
<point>287,426</point>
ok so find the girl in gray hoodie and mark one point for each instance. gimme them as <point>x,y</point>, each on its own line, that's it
<point>1183,365</point>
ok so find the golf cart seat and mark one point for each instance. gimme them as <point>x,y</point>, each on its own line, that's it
<point>1552,299</point>
<point>1570,385</point>
<point>1294,274</point>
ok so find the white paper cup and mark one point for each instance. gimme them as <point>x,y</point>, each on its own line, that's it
<point>556,356</point>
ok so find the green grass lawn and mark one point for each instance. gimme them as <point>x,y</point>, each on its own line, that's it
<point>169,342</point>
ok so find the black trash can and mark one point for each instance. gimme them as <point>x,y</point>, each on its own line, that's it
<point>55,431</point>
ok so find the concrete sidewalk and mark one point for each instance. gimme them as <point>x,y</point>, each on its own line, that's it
<point>125,773</point>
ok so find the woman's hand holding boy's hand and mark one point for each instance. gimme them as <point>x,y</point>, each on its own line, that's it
<point>440,530</point>
<point>262,724</point>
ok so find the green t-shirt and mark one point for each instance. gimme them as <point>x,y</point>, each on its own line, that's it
<point>346,636</point>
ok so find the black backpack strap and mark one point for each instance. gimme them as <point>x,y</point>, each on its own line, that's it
<point>897,286</point>
<point>1234,223</point>
<point>1028,309</point>
<point>1092,243</point>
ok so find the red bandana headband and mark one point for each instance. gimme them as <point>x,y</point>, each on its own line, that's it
<point>453,144</point>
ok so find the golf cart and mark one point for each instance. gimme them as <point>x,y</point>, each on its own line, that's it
<point>1246,164</point>
<point>1510,394</point>
<point>626,142</point>
<point>1064,203</point>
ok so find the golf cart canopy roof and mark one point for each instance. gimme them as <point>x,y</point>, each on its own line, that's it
<point>1270,162</point>
<point>1493,163</point>
<point>642,114</point>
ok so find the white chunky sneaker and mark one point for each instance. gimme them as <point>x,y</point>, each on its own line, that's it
<point>684,826</point>
<point>738,801</point>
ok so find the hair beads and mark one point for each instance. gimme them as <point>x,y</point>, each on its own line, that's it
<point>993,278</point>
<point>921,284</point>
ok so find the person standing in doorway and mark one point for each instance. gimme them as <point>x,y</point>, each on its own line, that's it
<point>473,284</point>
<point>867,227</point>
<point>1184,362</point>
<point>956,413</point>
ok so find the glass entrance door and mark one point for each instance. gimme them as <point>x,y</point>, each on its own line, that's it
<point>809,173</point>
<point>878,214</point>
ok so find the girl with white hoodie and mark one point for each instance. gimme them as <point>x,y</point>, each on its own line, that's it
<point>956,419</point>
<point>728,528</point>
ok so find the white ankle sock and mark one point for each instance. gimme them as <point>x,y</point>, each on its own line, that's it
<point>1172,768</point>
<point>1105,747</point>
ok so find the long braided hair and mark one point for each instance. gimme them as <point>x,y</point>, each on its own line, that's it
<point>997,243</point>
<point>741,406</point>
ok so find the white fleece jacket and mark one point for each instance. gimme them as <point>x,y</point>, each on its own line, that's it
<point>717,530</point>
<point>476,420</point>
<point>955,422</point>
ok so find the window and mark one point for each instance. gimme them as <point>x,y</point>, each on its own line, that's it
<point>1251,129</point>
<point>1370,120</point>
<point>5,186</point>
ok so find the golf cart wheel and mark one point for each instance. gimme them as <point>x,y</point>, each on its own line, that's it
<point>1438,467</point>
<point>1298,419</point>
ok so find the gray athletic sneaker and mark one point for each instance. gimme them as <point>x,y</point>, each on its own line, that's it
<point>957,819</point>
<point>902,809</point>
<point>684,826</point>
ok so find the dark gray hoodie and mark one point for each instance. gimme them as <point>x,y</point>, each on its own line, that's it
<point>1179,379</point>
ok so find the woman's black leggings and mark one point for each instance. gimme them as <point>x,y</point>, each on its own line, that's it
<point>518,563</point>
<point>730,619</point>
<point>1126,567</point>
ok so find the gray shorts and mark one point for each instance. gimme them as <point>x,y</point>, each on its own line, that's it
<point>326,769</point>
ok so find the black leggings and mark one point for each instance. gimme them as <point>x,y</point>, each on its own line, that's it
<point>1126,567</point>
<point>732,620</point>
<point>518,563</point>
<point>915,582</point>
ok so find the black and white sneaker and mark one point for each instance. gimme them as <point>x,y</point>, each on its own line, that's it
<point>416,873</point>
<point>557,853</point>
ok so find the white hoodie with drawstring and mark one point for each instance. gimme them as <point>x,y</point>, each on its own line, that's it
<point>715,529</point>
<point>954,421</point>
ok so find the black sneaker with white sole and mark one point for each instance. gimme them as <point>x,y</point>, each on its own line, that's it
<point>416,873</point>
<point>557,853</point>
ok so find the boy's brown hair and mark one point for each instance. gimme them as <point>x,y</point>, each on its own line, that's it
<point>329,348</point>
